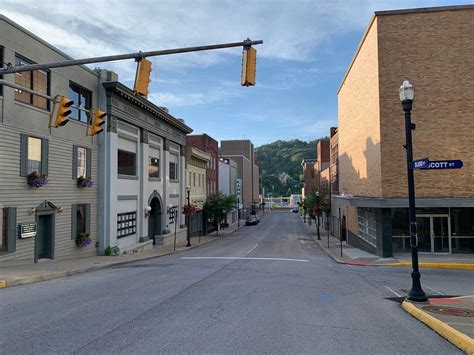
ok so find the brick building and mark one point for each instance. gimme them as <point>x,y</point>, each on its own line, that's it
<point>310,178</point>
<point>431,47</point>
<point>209,145</point>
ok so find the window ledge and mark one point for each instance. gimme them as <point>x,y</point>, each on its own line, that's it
<point>154,179</point>
<point>127,177</point>
<point>174,181</point>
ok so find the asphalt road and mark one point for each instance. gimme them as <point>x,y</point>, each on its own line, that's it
<point>236,295</point>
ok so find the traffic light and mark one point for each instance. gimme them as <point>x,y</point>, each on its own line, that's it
<point>63,110</point>
<point>97,121</point>
<point>142,77</point>
<point>249,63</point>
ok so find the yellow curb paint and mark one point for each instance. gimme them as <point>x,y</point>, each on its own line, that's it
<point>3,284</point>
<point>456,266</point>
<point>461,340</point>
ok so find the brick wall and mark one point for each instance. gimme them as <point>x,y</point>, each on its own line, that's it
<point>359,126</point>
<point>435,51</point>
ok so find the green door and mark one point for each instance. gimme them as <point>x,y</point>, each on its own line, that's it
<point>45,237</point>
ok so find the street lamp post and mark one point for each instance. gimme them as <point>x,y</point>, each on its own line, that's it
<point>188,194</point>
<point>317,212</point>
<point>407,92</point>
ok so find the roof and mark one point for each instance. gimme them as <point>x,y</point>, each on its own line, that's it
<point>397,12</point>
<point>146,105</point>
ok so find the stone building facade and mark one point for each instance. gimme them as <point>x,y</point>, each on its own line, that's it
<point>431,47</point>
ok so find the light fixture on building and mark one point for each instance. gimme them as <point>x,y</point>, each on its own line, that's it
<point>60,209</point>
<point>147,211</point>
<point>32,210</point>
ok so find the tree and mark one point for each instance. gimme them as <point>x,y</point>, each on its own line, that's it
<point>217,207</point>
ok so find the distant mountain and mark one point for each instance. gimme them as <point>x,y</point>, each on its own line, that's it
<point>280,164</point>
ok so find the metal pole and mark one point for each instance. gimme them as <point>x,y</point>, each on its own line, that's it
<point>188,244</point>
<point>11,69</point>
<point>175,212</point>
<point>238,212</point>
<point>317,214</point>
<point>416,293</point>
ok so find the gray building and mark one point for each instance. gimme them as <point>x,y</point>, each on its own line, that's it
<point>40,220</point>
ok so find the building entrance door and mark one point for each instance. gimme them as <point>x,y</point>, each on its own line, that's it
<point>433,233</point>
<point>154,220</point>
<point>44,237</point>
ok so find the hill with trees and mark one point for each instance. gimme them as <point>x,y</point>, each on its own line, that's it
<point>280,164</point>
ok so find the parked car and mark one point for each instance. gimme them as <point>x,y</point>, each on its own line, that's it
<point>252,220</point>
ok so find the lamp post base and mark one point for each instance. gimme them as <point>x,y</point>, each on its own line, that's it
<point>416,293</point>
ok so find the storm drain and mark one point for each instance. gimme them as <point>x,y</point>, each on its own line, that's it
<point>449,311</point>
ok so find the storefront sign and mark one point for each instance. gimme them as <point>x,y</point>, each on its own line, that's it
<point>26,230</point>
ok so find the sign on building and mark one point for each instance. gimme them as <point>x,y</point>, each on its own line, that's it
<point>238,189</point>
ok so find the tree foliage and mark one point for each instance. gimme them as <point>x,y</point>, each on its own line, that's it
<point>218,205</point>
<point>284,157</point>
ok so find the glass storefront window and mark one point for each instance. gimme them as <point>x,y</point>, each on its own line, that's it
<point>462,230</point>
<point>400,222</point>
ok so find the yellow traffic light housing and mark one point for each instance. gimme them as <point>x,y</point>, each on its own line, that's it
<point>142,77</point>
<point>63,111</point>
<point>96,120</point>
<point>249,63</point>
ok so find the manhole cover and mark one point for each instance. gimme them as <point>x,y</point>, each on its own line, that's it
<point>450,311</point>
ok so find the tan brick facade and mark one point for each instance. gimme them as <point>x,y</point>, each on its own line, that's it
<point>412,45</point>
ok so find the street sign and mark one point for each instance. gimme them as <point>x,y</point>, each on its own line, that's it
<point>444,164</point>
<point>420,163</point>
<point>238,189</point>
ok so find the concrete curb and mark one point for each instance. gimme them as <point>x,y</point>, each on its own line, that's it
<point>61,274</point>
<point>461,340</point>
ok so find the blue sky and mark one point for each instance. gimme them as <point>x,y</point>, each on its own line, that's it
<point>307,48</point>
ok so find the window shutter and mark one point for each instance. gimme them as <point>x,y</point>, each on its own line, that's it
<point>73,222</point>
<point>11,230</point>
<point>89,163</point>
<point>23,155</point>
<point>74,162</point>
<point>88,217</point>
<point>44,156</point>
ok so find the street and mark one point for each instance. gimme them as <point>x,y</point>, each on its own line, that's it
<point>263,289</point>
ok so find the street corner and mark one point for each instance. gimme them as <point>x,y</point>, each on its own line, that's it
<point>432,265</point>
<point>451,317</point>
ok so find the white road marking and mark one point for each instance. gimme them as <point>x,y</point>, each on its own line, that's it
<point>394,292</point>
<point>247,253</point>
<point>432,289</point>
<point>239,258</point>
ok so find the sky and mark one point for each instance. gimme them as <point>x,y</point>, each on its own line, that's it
<point>308,46</point>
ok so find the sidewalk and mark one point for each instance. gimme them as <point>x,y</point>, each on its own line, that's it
<point>354,256</point>
<point>14,273</point>
<point>452,318</point>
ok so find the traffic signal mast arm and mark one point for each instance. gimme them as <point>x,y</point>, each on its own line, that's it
<point>11,69</point>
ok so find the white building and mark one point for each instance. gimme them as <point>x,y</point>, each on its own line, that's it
<point>142,170</point>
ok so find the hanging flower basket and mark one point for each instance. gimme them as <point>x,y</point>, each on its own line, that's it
<point>83,240</point>
<point>36,180</point>
<point>189,209</point>
<point>84,182</point>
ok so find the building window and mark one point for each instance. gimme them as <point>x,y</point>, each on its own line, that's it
<point>8,230</point>
<point>1,66</point>
<point>34,155</point>
<point>194,179</point>
<point>367,226</point>
<point>174,167</point>
<point>82,98</point>
<point>81,162</point>
<point>80,219</point>
<point>127,163</point>
<point>37,80</point>
<point>126,224</point>
<point>154,167</point>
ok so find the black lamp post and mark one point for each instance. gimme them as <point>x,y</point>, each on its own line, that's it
<point>317,212</point>
<point>407,92</point>
<point>188,194</point>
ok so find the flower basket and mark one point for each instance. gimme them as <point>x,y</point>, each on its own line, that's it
<point>36,180</point>
<point>189,209</point>
<point>84,182</point>
<point>83,240</point>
